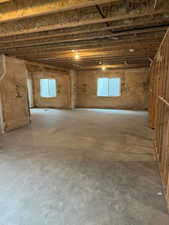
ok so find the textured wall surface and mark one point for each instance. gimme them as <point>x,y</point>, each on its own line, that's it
<point>134,89</point>
<point>74,88</point>
<point>62,100</point>
<point>14,94</point>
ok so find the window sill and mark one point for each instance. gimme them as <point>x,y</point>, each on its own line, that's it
<point>48,97</point>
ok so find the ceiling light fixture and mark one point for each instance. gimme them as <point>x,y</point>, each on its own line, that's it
<point>77,56</point>
<point>103,68</point>
<point>131,50</point>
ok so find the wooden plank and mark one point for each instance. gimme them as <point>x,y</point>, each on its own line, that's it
<point>126,30</point>
<point>93,41</point>
<point>4,1</point>
<point>78,22</point>
<point>27,9</point>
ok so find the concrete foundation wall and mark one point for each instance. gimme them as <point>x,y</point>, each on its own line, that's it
<point>62,100</point>
<point>134,89</point>
<point>13,90</point>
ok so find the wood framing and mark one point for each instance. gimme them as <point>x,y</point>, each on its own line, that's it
<point>31,8</point>
<point>102,31</point>
<point>159,110</point>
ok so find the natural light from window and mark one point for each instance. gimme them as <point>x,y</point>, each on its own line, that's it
<point>48,88</point>
<point>108,87</point>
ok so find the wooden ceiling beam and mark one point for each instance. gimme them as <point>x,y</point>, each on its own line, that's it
<point>118,67</point>
<point>148,49</point>
<point>106,63</point>
<point>128,35</point>
<point>42,40</point>
<point>117,30</point>
<point>104,50</point>
<point>43,52</point>
<point>99,56</point>
<point>97,60</point>
<point>28,9</point>
<point>47,31</point>
<point>88,57</point>
<point>108,48</point>
<point>83,66</point>
<point>4,1</point>
<point>14,29</point>
<point>94,39</point>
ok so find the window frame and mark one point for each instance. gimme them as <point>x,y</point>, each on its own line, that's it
<point>108,96</point>
<point>55,88</point>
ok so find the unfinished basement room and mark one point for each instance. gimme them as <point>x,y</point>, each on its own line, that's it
<point>84,112</point>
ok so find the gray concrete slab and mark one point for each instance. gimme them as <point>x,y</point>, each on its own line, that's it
<point>81,167</point>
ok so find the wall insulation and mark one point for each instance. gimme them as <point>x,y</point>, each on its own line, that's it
<point>13,92</point>
<point>134,89</point>
<point>62,100</point>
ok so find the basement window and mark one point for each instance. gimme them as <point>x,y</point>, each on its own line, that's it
<point>48,88</point>
<point>108,87</point>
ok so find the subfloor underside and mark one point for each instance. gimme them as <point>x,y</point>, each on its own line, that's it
<point>81,167</point>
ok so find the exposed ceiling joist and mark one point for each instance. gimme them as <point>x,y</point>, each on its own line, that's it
<point>72,40</point>
<point>59,22</point>
<point>4,1</point>
<point>81,44</point>
<point>127,30</point>
<point>118,35</point>
<point>27,9</point>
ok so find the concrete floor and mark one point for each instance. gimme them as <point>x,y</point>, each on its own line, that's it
<point>82,167</point>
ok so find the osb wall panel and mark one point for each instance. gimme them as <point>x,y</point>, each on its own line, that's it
<point>159,110</point>
<point>62,100</point>
<point>14,94</point>
<point>134,89</point>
